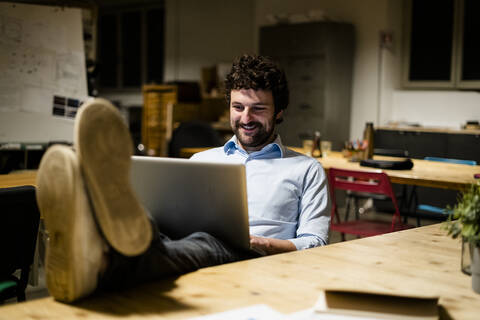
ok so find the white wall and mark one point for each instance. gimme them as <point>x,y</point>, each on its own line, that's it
<point>436,108</point>
<point>204,33</point>
<point>199,34</point>
<point>369,18</point>
<point>439,108</point>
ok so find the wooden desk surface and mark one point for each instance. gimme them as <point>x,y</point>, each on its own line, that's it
<point>23,178</point>
<point>424,173</point>
<point>421,261</point>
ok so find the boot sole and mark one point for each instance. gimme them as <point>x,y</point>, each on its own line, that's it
<point>104,148</point>
<point>62,200</point>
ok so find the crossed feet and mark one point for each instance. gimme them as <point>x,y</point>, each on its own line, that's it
<point>87,202</point>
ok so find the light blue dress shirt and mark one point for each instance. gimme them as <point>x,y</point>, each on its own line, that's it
<point>287,192</point>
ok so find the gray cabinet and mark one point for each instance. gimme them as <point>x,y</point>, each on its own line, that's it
<point>318,60</point>
<point>464,146</point>
<point>421,144</point>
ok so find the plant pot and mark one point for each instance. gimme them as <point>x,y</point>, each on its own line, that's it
<point>467,253</point>
<point>475,267</point>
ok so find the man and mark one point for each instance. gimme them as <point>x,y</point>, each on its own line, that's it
<point>287,192</point>
<point>99,234</point>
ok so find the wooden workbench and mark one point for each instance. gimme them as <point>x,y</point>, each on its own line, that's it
<point>421,261</point>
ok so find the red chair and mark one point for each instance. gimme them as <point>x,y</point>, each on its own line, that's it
<point>375,182</point>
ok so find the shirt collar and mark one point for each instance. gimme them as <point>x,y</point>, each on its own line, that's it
<point>271,150</point>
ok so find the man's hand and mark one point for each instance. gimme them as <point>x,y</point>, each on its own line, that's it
<point>267,246</point>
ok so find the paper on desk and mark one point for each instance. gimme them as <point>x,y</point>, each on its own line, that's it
<point>342,304</point>
<point>264,312</point>
<point>354,304</point>
<point>311,314</point>
<point>255,312</point>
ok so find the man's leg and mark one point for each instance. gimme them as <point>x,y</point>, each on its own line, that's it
<point>79,256</point>
<point>79,260</point>
<point>104,148</point>
<point>168,258</point>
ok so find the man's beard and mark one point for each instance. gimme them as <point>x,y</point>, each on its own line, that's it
<point>258,139</point>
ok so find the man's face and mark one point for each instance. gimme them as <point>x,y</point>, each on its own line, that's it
<point>252,117</point>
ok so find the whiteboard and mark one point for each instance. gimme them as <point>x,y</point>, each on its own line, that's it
<point>41,56</point>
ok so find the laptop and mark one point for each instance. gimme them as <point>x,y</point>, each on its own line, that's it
<point>185,196</point>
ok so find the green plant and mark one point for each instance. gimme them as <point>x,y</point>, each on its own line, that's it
<point>465,220</point>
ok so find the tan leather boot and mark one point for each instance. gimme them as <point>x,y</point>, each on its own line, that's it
<point>104,148</point>
<point>75,248</point>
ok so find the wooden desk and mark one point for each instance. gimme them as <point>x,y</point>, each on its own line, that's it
<point>24,178</point>
<point>422,261</point>
<point>424,173</point>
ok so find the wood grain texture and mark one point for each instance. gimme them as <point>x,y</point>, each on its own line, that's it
<point>421,261</point>
<point>24,178</point>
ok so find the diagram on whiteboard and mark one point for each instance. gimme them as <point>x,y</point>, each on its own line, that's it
<point>38,61</point>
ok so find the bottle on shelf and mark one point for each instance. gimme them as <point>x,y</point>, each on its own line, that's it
<point>316,149</point>
<point>368,136</point>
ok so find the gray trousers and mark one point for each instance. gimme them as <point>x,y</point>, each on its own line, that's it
<point>166,258</point>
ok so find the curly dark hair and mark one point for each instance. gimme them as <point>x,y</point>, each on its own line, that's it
<point>258,73</point>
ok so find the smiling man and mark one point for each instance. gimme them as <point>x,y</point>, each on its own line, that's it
<point>253,117</point>
<point>287,191</point>
<point>100,237</point>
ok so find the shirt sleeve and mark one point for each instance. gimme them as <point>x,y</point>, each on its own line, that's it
<point>314,210</point>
